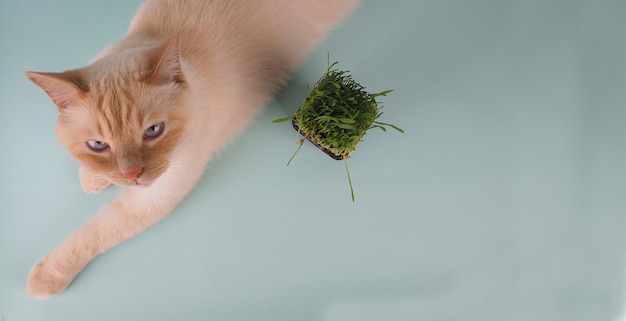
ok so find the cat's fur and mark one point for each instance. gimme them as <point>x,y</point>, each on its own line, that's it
<point>195,71</point>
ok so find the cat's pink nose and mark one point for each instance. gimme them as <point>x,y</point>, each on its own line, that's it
<point>133,174</point>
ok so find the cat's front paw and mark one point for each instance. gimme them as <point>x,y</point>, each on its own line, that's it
<point>92,182</point>
<point>44,281</point>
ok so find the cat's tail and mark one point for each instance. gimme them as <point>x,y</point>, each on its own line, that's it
<point>305,23</point>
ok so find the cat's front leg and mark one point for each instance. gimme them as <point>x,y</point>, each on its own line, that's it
<point>55,271</point>
<point>91,181</point>
<point>130,213</point>
<point>49,278</point>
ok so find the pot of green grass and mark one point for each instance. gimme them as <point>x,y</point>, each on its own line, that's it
<point>335,115</point>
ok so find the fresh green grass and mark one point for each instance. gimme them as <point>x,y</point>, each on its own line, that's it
<point>335,114</point>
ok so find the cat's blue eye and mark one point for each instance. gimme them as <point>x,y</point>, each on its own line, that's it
<point>154,131</point>
<point>97,146</point>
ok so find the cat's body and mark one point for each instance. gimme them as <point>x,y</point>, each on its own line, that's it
<point>150,111</point>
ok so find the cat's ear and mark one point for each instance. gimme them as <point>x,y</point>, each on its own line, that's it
<point>164,63</point>
<point>65,88</point>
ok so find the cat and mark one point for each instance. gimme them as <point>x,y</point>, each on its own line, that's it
<point>149,111</point>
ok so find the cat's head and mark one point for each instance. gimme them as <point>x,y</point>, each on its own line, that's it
<point>122,116</point>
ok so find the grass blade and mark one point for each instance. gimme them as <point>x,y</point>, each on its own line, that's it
<point>280,120</point>
<point>297,150</point>
<point>345,161</point>
<point>390,125</point>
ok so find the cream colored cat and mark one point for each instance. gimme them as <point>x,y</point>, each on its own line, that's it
<point>150,111</point>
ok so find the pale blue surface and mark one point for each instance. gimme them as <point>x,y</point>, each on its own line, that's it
<point>504,200</point>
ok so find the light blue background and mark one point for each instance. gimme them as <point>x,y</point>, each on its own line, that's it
<point>504,200</point>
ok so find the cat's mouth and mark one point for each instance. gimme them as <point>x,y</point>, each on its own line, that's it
<point>138,184</point>
<point>141,182</point>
